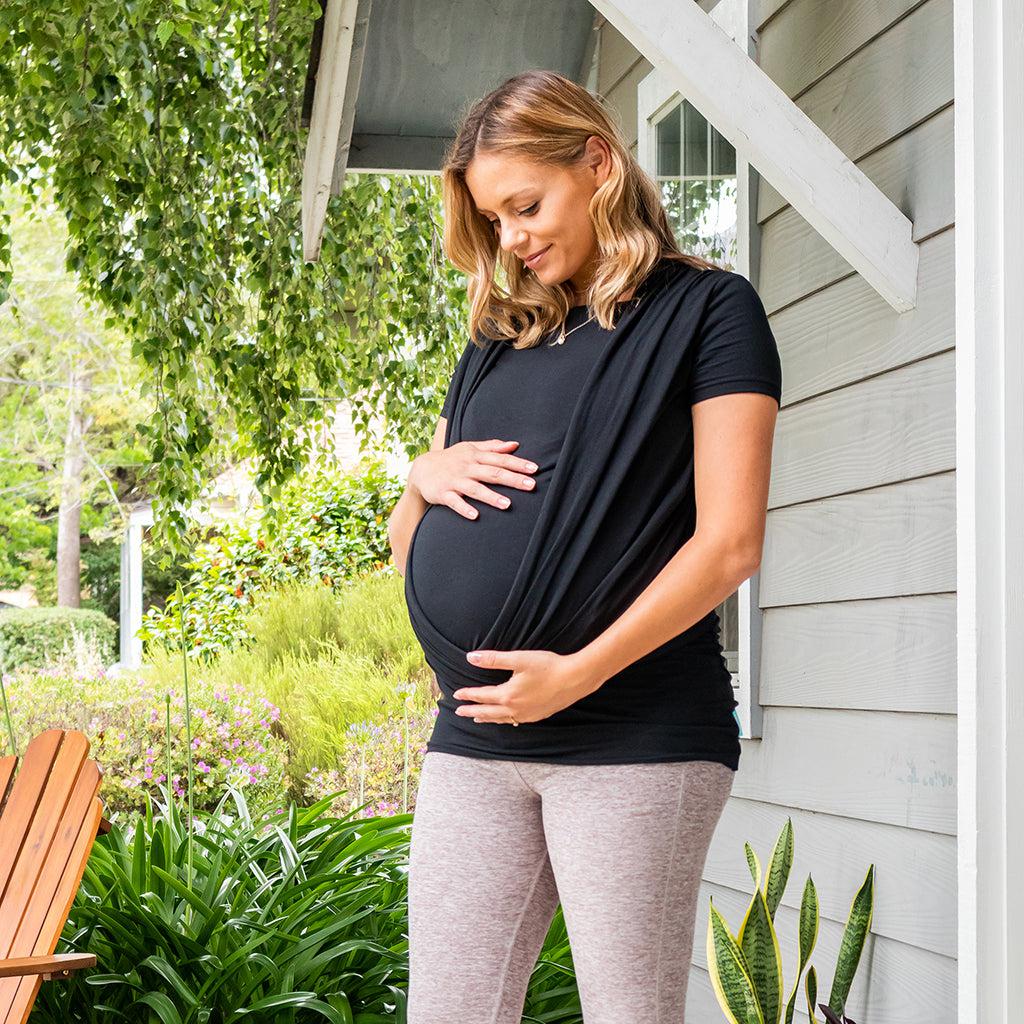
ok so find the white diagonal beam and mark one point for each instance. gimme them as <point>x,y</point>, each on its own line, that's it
<point>767,128</point>
<point>332,84</point>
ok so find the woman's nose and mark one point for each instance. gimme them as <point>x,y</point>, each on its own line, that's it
<point>512,239</point>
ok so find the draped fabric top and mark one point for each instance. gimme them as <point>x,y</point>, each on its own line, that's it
<point>606,416</point>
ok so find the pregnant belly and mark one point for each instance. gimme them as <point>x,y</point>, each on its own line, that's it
<point>461,569</point>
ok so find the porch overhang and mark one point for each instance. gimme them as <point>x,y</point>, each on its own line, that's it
<point>367,115</point>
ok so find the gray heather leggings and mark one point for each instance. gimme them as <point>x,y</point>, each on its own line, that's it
<point>495,845</point>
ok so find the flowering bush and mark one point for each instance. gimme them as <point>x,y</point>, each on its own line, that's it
<point>235,737</point>
<point>329,529</point>
<point>378,764</point>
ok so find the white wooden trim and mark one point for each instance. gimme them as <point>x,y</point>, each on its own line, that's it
<point>656,95</point>
<point>989,202</point>
<point>787,147</point>
<point>333,82</point>
<point>131,587</point>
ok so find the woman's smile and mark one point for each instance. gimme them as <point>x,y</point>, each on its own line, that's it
<point>535,259</point>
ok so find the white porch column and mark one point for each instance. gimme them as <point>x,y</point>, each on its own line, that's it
<point>131,588</point>
<point>989,198</point>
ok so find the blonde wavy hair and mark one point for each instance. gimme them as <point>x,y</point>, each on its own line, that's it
<point>543,116</point>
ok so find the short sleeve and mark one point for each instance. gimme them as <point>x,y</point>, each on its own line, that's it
<point>456,379</point>
<point>735,348</point>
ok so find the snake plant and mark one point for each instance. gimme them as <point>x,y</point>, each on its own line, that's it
<point>746,969</point>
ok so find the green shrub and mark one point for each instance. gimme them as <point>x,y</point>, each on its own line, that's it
<point>296,918</point>
<point>235,736</point>
<point>328,530</point>
<point>36,637</point>
<point>342,665</point>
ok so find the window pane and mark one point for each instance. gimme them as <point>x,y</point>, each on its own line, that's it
<point>695,141</point>
<point>723,155</point>
<point>701,206</point>
<point>729,617</point>
<point>667,136</point>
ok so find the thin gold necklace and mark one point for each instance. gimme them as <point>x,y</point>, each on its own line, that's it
<point>565,334</point>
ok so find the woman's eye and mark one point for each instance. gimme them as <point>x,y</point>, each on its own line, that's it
<point>532,208</point>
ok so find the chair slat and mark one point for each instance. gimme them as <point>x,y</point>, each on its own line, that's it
<point>61,878</point>
<point>47,829</point>
<point>22,801</point>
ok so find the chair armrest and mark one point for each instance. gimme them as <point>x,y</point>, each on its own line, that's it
<point>57,965</point>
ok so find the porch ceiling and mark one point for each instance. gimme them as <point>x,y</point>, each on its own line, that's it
<point>421,61</point>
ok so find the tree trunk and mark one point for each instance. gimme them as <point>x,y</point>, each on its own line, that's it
<point>69,518</point>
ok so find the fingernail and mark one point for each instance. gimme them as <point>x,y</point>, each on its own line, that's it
<point>531,466</point>
<point>504,503</point>
<point>473,656</point>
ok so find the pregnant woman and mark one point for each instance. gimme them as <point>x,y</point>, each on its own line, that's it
<point>596,486</point>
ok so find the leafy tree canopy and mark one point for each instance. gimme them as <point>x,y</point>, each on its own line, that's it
<point>169,132</point>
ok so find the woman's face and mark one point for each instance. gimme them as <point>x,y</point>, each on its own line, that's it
<point>541,210</point>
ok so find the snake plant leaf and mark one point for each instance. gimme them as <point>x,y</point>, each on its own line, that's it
<point>760,945</point>
<point>812,995</point>
<point>730,973</point>
<point>854,935</point>
<point>753,864</point>
<point>807,939</point>
<point>779,868</point>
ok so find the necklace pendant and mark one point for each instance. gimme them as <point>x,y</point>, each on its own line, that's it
<point>558,341</point>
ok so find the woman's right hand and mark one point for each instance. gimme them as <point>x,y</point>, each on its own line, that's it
<point>442,476</point>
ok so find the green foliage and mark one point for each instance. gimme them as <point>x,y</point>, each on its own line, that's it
<point>347,673</point>
<point>37,636</point>
<point>235,737</point>
<point>300,916</point>
<point>170,136</point>
<point>296,917</point>
<point>69,401</point>
<point>746,969</point>
<point>329,529</point>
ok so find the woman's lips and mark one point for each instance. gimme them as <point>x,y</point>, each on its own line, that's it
<point>534,260</point>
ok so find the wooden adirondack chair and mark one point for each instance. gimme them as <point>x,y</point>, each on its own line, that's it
<point>49,818</point>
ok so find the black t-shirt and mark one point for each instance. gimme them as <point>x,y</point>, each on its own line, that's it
<point>675,703</point>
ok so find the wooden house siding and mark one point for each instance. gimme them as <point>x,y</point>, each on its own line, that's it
<point>858,578</point>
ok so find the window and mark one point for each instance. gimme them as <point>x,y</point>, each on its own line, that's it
<point>696,170</point>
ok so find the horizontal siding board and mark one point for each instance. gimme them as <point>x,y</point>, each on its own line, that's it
<point>892,84</point>
<point>915,871</point>
<point>888,654</point>
<point>761,11</point>
<point>882,542</point>
<point>887,428</point>
<point>915,172</point>
<point>811,37</point>
<point>893,768</point>
<point>847,332</point>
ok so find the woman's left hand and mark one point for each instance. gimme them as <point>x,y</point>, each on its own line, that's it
<point>542,682</point>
